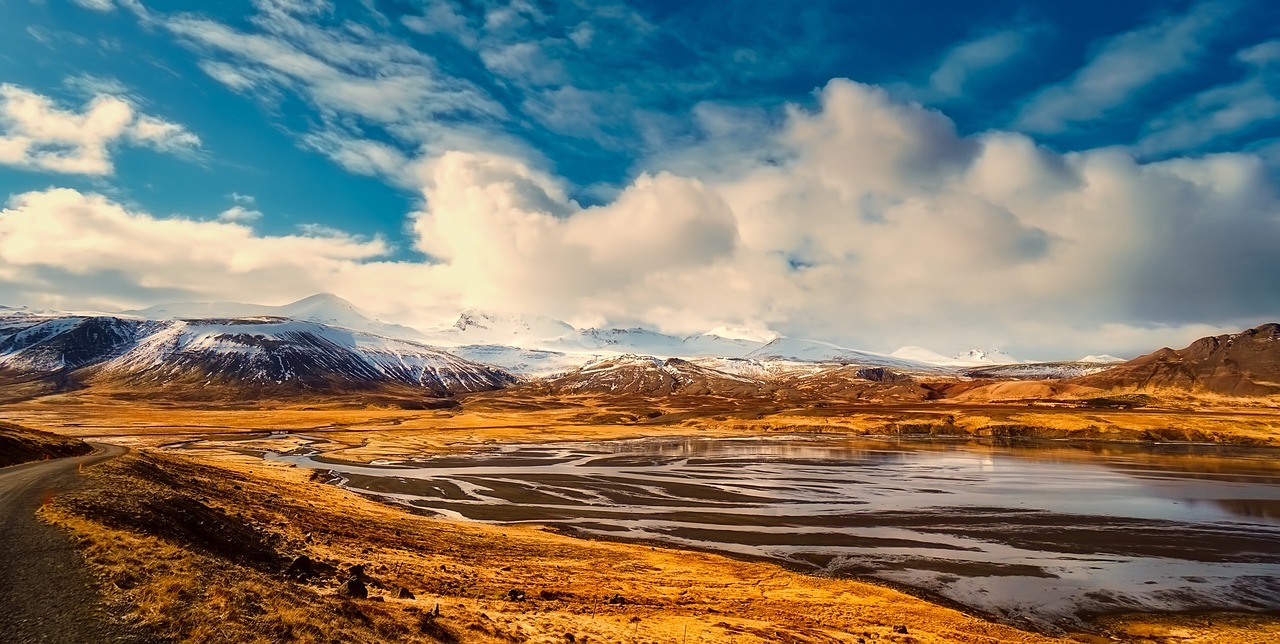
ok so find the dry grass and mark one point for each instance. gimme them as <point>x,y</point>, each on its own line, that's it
<point>185,593</point>
<point>190,594</point>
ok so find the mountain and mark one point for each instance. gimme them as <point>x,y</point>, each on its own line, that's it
<point>986,356</point>
<point>1102,359</point>
<point>649,376</point>
<point>814,351</point>
<point>1240,364</point>
<point>322,308</point>
<point>260,357</point>
<point>529,363</point>
<point>1036,370</point>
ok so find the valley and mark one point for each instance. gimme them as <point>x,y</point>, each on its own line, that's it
<point>959,493</point>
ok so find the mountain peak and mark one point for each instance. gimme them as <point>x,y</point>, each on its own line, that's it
<point>323,298</point>
<point>987,356</point>
<point>742,333</point>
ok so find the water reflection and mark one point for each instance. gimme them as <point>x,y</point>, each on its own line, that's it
<point>1036,533</point>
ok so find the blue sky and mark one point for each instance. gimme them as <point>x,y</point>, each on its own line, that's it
<point>323,120</point>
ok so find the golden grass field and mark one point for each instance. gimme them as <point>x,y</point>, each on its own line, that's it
<point>185,592</point>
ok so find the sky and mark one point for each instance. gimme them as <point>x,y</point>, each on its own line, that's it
<point>1049,178</point>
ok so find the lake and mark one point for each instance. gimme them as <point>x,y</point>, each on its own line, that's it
<point>1039,534</point>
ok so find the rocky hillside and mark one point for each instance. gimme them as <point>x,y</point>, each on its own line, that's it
<point>1239,364</point>
<point>243,357</point>
<point>648,376</point>
<point>19,445</point>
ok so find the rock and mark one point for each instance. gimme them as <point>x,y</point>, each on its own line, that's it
<point>900,629</point>
<point>515,595</point>
<point>353,588</point>
<point>548,595</point>
<point>617,599</point>
<point>301,567</point>
<point>403,593</point>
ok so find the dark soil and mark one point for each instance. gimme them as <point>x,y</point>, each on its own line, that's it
<point>19,444</point>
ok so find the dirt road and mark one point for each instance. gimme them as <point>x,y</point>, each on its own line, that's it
<point>45,590</point>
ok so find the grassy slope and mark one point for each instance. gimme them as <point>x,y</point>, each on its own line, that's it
<point>195,547</point>
<point>19,444</point>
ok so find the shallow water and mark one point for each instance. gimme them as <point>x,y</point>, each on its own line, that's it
<point>1040,535</point>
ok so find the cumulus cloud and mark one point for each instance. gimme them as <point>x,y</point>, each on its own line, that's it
<point>63,238</point>
<point>35,133</point>
<point>243,211</point>
<point>1121,67</point>
<point>881,227</point>
<point>870,222</point>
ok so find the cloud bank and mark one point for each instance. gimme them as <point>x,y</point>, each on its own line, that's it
<point>37,134</point>
<point>869,222</point>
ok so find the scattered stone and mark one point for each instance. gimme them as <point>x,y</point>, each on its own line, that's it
<point>515,595</point>
<point>617,599</point>
<point>548,595</point>
<point>304,568</point>
<point>353,588</point>
<point>568,637</point>
<point>403,593</point>
<point>900,629</point>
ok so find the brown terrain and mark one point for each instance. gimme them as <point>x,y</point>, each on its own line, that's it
<point>218,545</point>
<point>1243,364</point>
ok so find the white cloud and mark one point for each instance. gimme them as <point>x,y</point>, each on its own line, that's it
<point>78,240</point>
<point>239,214</point>
<point>90,85</point>
<point>880,227</point>
<point>958,68</point>
<point>867,221</point>
<point>1222,110</point>
<point>1121,67</point>
<point>343,71</point>
<point>37,134</point>
<point>525,62</point>
<point>96,5</point>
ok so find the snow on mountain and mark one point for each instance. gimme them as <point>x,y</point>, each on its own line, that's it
<point>634,340</point>
<point>255,353</point>
<point>322,308</point>
<point>921,354</point>
<point>986,356</point>
<point>1103,359</point>
<point>815,351</point>
<point>650,376</point>
<point>529,363</point>
<point>479,328</point>
<point>1036,370</point>
<point>739,333</point>
<point>41,344</point>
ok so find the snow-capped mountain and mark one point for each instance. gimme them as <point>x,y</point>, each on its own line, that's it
<point>1102,359</point>
<point>986,356</point>
<point>480,328</point>
<point>794,349</point>
<point>650,376</point>
<point>261,355</point>
<point>321,308</point>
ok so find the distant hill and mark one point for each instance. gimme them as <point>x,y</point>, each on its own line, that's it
<point>225,359</point>
<point>1239,364</point>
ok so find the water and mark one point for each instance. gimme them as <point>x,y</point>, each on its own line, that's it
<point>1041,535</point>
